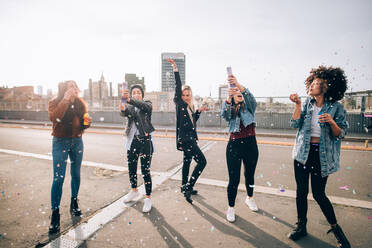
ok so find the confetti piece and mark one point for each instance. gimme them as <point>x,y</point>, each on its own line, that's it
<point>348,168</point>
<point>338,179</point>
<point>268,183</point>
<point>2,193</point>
<point>282,190</point>
<point>212,228</point>
<point>130,222</point>
<point>354,192</point>
<point>370,217</point>
<point>346,187</point>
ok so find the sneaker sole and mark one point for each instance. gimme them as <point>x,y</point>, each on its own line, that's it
<point>231,221</point>
<point>131,200</point>
<point>146,211</point>
<point>253,210</point>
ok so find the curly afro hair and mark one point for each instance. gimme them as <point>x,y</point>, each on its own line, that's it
<point>334,82</point>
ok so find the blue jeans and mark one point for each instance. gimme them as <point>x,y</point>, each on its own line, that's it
<point>62,148</point>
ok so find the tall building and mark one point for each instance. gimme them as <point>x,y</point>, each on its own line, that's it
<point>223,91</point>
<point>110,95</point>
<point>40,90</point>
<point>98,90</point>
<point>167,75</point>
<point>131,79</point>
<point>49,93</point>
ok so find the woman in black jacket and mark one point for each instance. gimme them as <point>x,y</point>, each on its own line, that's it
<point>139,142</point>
<point>186,136</point>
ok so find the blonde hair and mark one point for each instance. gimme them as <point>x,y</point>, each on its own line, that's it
<point>186,87</point>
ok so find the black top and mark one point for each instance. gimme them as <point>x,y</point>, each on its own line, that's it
<point>141,117</point>
<point>186,129</point>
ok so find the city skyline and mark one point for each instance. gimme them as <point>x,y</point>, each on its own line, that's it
<point>270,45</point>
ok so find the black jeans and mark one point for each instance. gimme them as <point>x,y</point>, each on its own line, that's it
<point>318,184</point>
<point>239,150</point>
<point>191,150</point>
<point>140,147</point>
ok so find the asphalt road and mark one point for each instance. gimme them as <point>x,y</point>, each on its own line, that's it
<point>25,195</point>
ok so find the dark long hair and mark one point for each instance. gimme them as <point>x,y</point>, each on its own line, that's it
<point>235,108</point>
<point>77,107</point>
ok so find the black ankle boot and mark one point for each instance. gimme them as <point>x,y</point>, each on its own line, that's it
<point>54,223</point>
<point>340,236</point>
<point>299,231</point>
<point>193,191</point>
<point>74,207</point>
<point>187,193</point>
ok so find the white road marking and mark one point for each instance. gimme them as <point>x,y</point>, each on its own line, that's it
<point>47,157</point>
<point>287,193</point>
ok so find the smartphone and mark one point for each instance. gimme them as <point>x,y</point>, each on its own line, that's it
<point>124,87</point>
<point>229,73</point>
<point>319,114</point>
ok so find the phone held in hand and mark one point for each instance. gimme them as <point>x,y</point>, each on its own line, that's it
<point>319,114</point>
<point>229,73</point>
<point>123,100</point>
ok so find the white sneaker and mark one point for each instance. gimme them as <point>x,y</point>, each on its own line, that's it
<point>230,215</point>
<point>131,196</point>
<point>251,204</point>
<point>146,205</point>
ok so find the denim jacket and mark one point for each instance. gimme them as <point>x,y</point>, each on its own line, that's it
<point>329,146</point>
<point>246,114</point>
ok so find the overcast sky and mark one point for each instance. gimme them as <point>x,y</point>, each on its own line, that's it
<point>271,45</point>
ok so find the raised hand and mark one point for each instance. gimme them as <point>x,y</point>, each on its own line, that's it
<point>323,118</point>
<point>295,98</point>
<point>233,81</point>
<point>125,94</point>
<point>173,64</point>
<point>70,94</point>
<point>203,108</point>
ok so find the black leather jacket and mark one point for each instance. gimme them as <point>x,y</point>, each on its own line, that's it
<point>141,117</point>
<point>186,129</point>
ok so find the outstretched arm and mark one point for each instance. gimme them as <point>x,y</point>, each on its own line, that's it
<point>178,91</point>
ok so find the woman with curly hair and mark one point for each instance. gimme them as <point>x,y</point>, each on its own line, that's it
<point>321,126</point>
